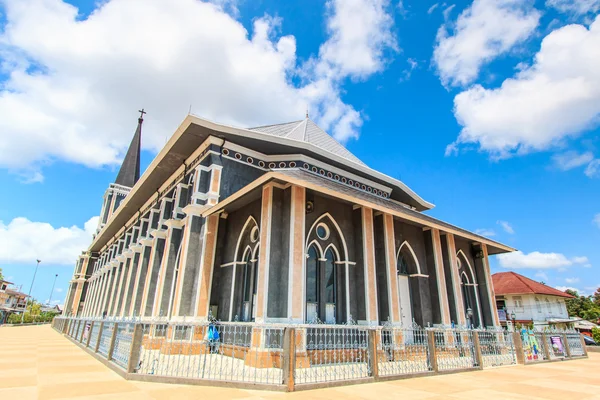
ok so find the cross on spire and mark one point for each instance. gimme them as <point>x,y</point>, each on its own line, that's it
<point>142,112</point>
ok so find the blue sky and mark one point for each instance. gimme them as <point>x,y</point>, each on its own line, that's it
<point>488,109</point>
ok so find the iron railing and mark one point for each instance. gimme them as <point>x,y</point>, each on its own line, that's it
<point>497,348</point>
<point>404,351</point>
<point>306,354</point>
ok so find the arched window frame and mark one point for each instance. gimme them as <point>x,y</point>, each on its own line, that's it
<point>406,245</point>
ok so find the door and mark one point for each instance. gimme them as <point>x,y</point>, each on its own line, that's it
<point>405,306</point>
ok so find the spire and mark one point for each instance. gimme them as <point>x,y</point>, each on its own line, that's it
<point>130,169</point>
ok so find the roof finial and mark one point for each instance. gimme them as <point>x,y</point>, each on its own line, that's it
<point>306,112</point>
<point>142,112</point>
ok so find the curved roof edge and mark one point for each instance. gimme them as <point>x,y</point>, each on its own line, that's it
<point>420,203</point>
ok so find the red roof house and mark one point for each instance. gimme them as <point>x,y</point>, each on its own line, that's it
<point>513,283</point>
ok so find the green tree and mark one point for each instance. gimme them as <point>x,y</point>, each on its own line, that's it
<point>596,334</point>
<point>596,295</point>
<point>582,306</point>
<point>1,276</point>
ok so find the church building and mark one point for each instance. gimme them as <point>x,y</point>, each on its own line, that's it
<point>275,224</point>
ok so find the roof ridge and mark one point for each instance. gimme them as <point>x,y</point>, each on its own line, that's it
<point>305,129</point>
<point>282,123</point>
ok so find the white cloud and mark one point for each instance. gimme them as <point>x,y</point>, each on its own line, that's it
<point>572,159</point>
<point>58,290</point>
<point>555,98</point>
<point>571,281</point>
<point>565,288</point>
<point>432,8</point>
<point>506,226</point>
<point>74,85</point>
<point>593,169</point>
<point>542,275</point>
<point>24,241</point>
<point>577,7</point>
<point>538,260</point>
<point>482,32</point>
<point>485,232</point>
<point>596,220</point>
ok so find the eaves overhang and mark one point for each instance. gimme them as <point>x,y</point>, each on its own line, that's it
<point>193,131</point>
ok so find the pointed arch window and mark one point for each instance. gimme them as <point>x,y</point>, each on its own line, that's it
<point>402,264</point>
<point>312,284</point>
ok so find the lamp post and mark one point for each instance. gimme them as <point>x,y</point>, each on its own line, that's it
<point>52,291</point>
<point>30,287</point>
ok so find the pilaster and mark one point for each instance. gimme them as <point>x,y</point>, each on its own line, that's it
<point>392,268</point>
<point>206,266</point>
<point>440,277</point>
<point>491,297</point>
<point>456,286</point>
<point>264,254</point>
<point>368,244</point>
<point>297,258</point>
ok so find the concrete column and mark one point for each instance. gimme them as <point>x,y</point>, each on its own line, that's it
<point>297,258</point>
<point>90,296</point>
<point>140,278</point>
<point>518,343</point>
<point>116,282</point>
<point>456,286</point>
<point>491,297</point>
<point>110,288</point>
<point>128,289</point>
<point>370,278</point>
<point>125,267</point>
<point>162,272</point>
<point>207,259</point>
<point>392,268</point>
<point>149,295</point>
<point>77,296</point>
<point>101,291</point>
<point>98,285</point>
<point>440,276</point>
<point>265,253</point>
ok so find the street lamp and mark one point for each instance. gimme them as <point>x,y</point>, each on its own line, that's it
<point>52,291</point>
<point>30,287</point>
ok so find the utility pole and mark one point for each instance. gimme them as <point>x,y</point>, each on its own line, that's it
<point>52,291</point>
<point>30,287</point>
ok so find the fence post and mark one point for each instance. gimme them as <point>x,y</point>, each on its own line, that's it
<point>583,346</point>
<point>289,358</point>
<point>136,348</point>
<point>432,350</point>
<point>113,338</point>
<point>87,342</point>
<point>566,346</point>
<point>545,347</point>
<point>477,345</point>
<point>519,352</point>
<point>372,349</point>
<point>100,329</point>
<point>84,322</point>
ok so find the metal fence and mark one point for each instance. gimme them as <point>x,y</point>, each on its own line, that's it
<point>122,345</point>
<point>454,349</point>
<point>275,355</point>
<point>105,338</point>
<point>497,348</point>
<point>219,351</point>
<point>574,341</point>
<point>327,353</point>
<point>404,351</point>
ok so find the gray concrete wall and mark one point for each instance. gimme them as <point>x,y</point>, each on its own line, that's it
<point>448,273</point>
<point>277,298</point>
<point>144,259</point>
<point>169,272</point>
<point>381,271</point>
<point>191,265</point>
<point>431,314</point>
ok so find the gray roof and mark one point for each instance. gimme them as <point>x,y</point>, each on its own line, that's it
<point>387,203</point>
<point>307,131</point>
<point>129,173</point>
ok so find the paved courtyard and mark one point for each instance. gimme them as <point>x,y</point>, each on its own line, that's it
<point>38,363</point>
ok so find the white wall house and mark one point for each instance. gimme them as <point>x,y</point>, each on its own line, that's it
<point>524,300</point>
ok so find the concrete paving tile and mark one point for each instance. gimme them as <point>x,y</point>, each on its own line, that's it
<point>70,390</point>
<point>18,381</point>
<point>20,393</point>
